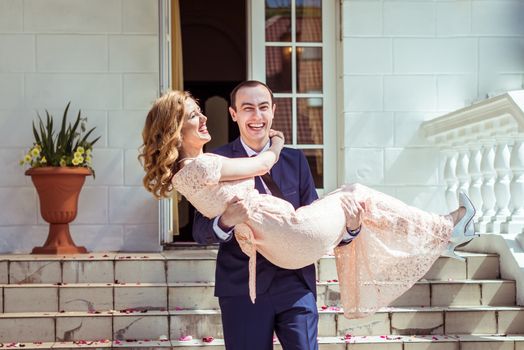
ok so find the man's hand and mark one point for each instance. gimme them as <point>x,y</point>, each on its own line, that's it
<point>353,211</point>
<point>235,213</point>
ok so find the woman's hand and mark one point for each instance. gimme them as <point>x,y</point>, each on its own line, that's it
<point>353,211</point>
<point>277,136</point>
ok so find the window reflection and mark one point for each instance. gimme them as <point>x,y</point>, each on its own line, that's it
<point>278,20</point>
<point>309,121</point>
<point>309,20</point>
<point>316,163</point>
<point>309,69</point>
<point>283,118</point>
<point>278,68</point>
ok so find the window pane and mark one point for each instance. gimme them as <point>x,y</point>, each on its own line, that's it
<point>309,121</point>
<point>309,69</point>
<point>278,20</point>
<point>309,20</point>
<point>278,68</point>
<point>316,163</point>
<point>283,116</point>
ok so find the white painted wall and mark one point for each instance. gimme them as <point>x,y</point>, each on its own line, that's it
<point>405,62</point>
<point>102,55</point>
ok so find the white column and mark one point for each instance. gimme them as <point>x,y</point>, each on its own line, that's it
<point>502,193</point>
<point>516,221</point>
<point>462,170</point>
<point>451,179</point>
<point>487,189</point>
<point>475,185</point>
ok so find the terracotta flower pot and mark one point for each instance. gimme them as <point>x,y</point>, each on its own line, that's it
<point>58,189</point>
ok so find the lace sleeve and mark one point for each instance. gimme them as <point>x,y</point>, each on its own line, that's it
<point>202,172</point>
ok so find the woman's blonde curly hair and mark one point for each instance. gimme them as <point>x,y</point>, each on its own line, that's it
<point>162,141</point>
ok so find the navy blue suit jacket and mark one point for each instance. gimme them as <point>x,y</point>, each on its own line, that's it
<point>293,176</point>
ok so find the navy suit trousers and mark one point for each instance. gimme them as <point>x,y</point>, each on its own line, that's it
<point>288,307</point>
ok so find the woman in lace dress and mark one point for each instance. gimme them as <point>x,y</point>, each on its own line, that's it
<point>397,245</point>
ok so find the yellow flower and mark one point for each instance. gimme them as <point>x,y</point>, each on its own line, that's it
<point>78,154</point>
<point>63,162</point>
<point>88,151</point>
<point>76,161</point>
<point>35,152</point>
<point>80,149</point>
<point>88,159</point>
<point>43,160</point>
<point>37,146</point>
<point>27,158</point>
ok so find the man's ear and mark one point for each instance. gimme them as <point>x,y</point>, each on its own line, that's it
<point>233,114</point>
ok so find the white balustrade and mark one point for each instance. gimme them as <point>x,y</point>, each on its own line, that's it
<point>483,145</point>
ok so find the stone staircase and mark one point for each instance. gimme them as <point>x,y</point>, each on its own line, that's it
<point>165,300</point>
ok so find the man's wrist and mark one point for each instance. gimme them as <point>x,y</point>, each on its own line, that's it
<point>223,235</point>
<point>354,232</point>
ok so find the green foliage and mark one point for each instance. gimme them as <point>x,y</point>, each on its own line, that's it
<point>71,146</point>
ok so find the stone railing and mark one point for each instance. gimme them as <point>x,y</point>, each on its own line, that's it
<point>483,146</point>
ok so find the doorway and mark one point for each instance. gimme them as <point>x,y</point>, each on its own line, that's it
<point>214,50</point>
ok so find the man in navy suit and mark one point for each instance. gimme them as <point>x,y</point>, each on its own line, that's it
<point>286,299</point>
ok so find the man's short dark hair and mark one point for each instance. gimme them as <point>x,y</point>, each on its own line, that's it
<point>248,83</point>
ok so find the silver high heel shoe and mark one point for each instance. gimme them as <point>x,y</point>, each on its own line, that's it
<point>464,230</point>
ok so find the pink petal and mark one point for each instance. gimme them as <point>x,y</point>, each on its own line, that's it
<point>185,338</point>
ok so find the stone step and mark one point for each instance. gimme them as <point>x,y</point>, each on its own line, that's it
<point>155,325</point>
<point>393,321</point>
<point>90,297</point>
<point>462,342</point>
<point>187,266</point>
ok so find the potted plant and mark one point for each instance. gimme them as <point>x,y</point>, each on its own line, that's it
<point>59,164</point>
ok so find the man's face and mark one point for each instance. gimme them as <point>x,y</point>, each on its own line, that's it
<point>254,115</point>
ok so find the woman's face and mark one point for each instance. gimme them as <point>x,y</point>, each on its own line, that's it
<point>194,129</point>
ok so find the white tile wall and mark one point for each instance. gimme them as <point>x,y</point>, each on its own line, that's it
<point>91,91</point>
<point>12,172</point>
<point>11,134</point>
<point>12,16</point>
<point>369,129</point>
<point>133,171</point>
<point>133,53</point>
<point>140,16</point>
<point>363,93</point>
<point>125,128</point>
<point>93,205</point>
<point>18,53</point>
<point>73,16</point>
<point>444,55</point>
<point>453,18</point>
<point>494,18</point>
<point>143,210</point>
<point>136,235</point>
<point>362,18</point>
<point>368,56</point>
<point>102,55</point>
<point>19,205</point>
<point>410,93</point>
<point>365,165</point>
<point>72,53</point>
<point>98,237</point>
<point>140,90</point>
<point>413,166</point>
<point>407,128</point>
<point>422,56</point>
<point>109,167</point>
<point>11,90</point>
<point>456,91</point>
<point>409,18</point>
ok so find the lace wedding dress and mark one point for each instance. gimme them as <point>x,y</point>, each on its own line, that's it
<point>396,246</point>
